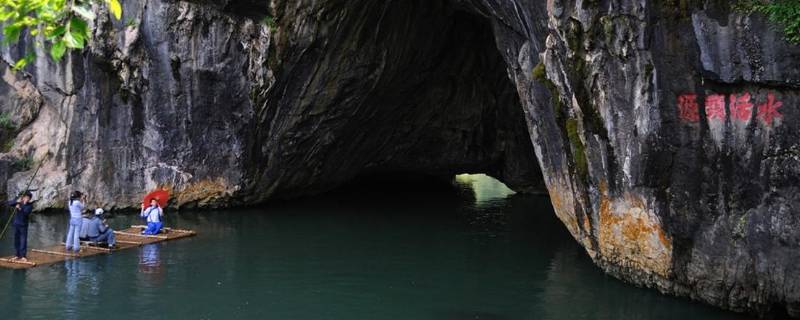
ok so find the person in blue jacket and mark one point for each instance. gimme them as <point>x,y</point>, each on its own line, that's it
<point>97,230</point>
<point>23,207</point>
<point>85,220</point>
<point>153,215</point>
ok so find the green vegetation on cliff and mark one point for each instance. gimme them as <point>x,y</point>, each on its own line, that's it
<point>785,13</point>
<point>55,24</point>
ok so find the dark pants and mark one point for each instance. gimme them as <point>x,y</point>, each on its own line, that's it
<point>21,241</point>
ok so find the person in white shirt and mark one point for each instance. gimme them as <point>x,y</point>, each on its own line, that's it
<point>75,206</point>
<point>153,215</point>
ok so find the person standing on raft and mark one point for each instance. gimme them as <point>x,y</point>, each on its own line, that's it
<point>152,214</point>
<point>24,207</point>
<point>75,206</point>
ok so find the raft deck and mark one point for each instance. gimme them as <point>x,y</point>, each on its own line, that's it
<point>126,239</point>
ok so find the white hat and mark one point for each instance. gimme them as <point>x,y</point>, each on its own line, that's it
<point>98,211</point>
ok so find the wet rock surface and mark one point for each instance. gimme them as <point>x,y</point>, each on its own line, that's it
<point>684,119</point>
<point>666,134</point>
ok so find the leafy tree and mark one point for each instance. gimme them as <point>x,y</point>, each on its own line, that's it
<point>62,24</point>
<point>785,13</point>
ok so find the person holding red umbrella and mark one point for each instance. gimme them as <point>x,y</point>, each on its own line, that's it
<point>152,214</point>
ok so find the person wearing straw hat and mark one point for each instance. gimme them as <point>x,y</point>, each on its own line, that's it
<point>24,207</point>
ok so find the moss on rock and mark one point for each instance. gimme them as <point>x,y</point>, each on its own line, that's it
<point>578,149</point>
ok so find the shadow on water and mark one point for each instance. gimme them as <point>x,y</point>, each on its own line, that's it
<point>408,247</point>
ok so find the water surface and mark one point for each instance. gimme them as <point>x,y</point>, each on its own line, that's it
<point>361,253</point>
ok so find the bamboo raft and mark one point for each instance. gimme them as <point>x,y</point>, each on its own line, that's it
<point>126,239</point>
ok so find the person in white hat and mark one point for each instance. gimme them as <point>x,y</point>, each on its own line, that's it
<point>98,231</point>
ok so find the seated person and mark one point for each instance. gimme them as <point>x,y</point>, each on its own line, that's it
<point>98,231</point>
<point>153,215</point>
<point>86,219</point>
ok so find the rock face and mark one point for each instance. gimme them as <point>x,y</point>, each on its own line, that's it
<point>683,119</point>
<point>142,107</point>
<point>187,96</point>
<point>664,131</point>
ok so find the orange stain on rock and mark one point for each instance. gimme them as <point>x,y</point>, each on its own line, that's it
<point>564,203</point>
<point>631,234</point>
<point>627,230</point>
<point>563,207</point>
<point>203,192</point>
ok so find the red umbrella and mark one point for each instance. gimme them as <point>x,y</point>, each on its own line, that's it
<point>161,195</point>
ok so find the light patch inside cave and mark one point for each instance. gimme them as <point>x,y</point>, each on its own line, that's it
<point>486,189</point>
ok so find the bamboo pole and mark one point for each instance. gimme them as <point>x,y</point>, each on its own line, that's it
<point>138,243</point>
<point>63,254</point>
<point>30,263</point>
<point>182,231</point>
<point>99,248</point>
<point>165,228</point>
<point>141,235</point>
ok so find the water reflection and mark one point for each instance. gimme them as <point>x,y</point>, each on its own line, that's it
<point>489,210</point>
<point>376,251</point>
<point>84,282</point>
<point>13,297</point>
<point>150,266</point>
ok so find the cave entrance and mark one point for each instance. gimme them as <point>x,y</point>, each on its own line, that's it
<point>400,86</point>
<point>484,188</point>
<point>422,192</point>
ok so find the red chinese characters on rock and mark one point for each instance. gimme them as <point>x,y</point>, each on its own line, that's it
<point>688,108</point>
<point>769,110</point>
<point>715,107</point>
<point>740,108</point>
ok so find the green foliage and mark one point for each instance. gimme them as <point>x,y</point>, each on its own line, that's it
<point>131,22</point>
<point>62,24</point>
<point>540,74</point>
<point>785,13</point>
<point>6,123</point>
<point>8,144</point>
<point>269,21</point>
<point>24,164</point>
<point>570,124</point>
<point>7,130</point>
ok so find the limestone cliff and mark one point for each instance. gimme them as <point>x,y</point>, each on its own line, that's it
<point>664,131</point>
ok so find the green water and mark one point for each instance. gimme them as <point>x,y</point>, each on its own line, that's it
<point>367,253</point>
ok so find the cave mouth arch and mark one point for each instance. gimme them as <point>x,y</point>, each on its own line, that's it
<point>471,191</point>
<point>401,86</point>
